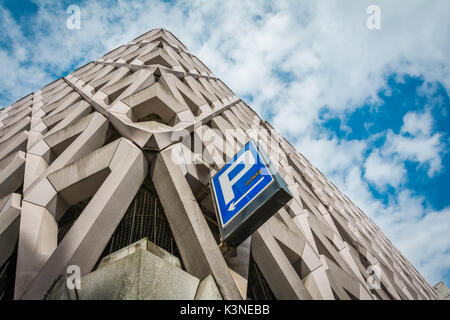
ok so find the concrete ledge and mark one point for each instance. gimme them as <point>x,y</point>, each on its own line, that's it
<point>141,275</point>
<point>143,244</point>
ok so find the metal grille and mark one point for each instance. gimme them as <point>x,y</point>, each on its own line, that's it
<point>257,288</point>
<point>144,218</point>
<point>8,277</point>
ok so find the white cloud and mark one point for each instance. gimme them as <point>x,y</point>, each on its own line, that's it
<point>382,172</point>
<point>416,142</point>
<point>425,150</point>
<point>415,123</point>
<point>331,155</point>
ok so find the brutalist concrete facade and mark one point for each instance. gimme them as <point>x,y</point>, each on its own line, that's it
<point>442,291</point>
<point>151,113</point>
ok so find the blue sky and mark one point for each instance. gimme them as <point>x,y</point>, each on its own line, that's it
<point>369,108</point>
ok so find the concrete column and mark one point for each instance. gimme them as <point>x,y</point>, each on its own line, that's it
<point>199,251</point>
<point>9,225</point>
<point>281,276</point>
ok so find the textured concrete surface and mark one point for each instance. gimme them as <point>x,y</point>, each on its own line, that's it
<point>60,291</point>
<point>9,225</point>
<point>140,275</point>
<point>207,290</point>
<point>140,271</point>
<point>442,291</point>
<point>143,244</point>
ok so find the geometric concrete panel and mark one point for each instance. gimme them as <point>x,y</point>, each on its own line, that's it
<point>12,170</point>
<point>207,290</point>
<point>143,244</point>
<point>9,225</point>
<point>37,241</point>
<point>17,143</point>
<point>281,276</point>
<point>83,244</point>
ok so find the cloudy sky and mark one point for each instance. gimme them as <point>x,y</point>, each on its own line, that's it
<point>368,107</point>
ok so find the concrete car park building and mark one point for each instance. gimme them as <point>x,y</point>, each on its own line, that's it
<point>106,172</point>
<point>442,291</point>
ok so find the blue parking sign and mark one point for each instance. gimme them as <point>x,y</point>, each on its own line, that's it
<point>244,186</point>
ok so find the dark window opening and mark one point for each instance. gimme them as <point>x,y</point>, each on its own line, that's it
<point>212,224</point>
<point>257,288</point>
<point>386,291</point>
<point>144,217</point>
<point>69,218</point>
<point>336,297</point>
<point>8,277</point>
<point>352,297</point>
